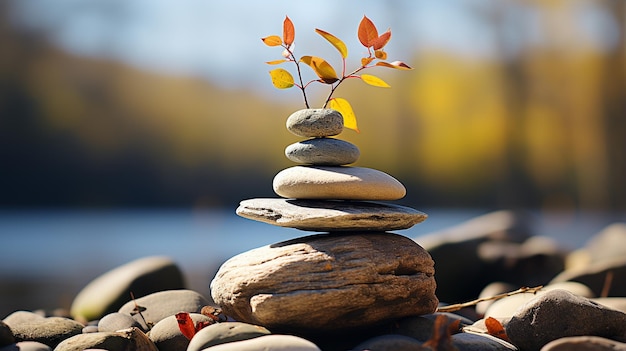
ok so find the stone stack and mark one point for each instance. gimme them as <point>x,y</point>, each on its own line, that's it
<point>354,275</point>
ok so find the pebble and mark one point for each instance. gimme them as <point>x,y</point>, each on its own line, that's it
<point>108,292</point>
<point>559,313</point>
<point>506,307</point>
<point>227,332</point>
<point>27,346</point>
<point>319,215</point>
<point>163,304</point>
<point>116,321</point>
<point>337,183</point>
<point>49,331</point>
<point>480,342</point>
<point>166,334</point>
<point>22,317</point>
<point>371,277</point>
<point>323,152</point>
<point>584,343</point>
<point>268,343</point>
<point>594,275</point>
<point>131,339</point>
<point>315,123</point>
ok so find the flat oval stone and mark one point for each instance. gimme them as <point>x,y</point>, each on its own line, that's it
<point>337,183</point>
<point>327,282</point>
<point>324,215</point>
<point>315,123</point>
<point>323,152</point>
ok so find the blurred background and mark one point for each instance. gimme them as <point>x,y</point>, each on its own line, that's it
<point>117,114</point>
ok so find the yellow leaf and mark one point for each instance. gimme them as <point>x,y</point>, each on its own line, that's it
<point>323,69</point>
<point>375,81</point>
<point>336,42</point>
<point>343,106</point>
<point>272,40</point>
<point>275,62</point>
<point>281,78</point>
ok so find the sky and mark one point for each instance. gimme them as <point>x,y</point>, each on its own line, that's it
<point>220,40</point>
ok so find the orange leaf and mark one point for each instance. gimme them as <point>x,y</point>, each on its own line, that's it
<point>381,55</point>
<point>272,40</point>
<point>281,78</point>
<point>343,106</point>
<point>374,81</point>
<point>289,32</point>
<point>395,64</point>
<point>495,328</point>
<point>366,61</point>
<point>367,32</point>
<point>276,62</point>
<point>382,40</point>
<point>323,69</point>
<point>185,324</point>
<point>336,42</point>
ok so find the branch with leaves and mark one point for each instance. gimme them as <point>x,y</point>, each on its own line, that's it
<point>368,36</point>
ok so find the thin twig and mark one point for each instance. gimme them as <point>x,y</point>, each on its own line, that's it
<point>608,280</point>
<point>458,306</point>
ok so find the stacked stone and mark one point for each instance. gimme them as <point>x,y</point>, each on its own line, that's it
<point>357,274</point>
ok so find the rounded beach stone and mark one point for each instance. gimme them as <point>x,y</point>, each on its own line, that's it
<point>227,332</point>
<point>584,343</point>
<point>320,215</point>
<point>50,331</point>
<point>337,183</point>
<point>327,282</point>
<point>559,313</point>
<point>269,343</point>
<point>323,152</point>
<point>27,346</point>
<point>315,123</point>
<point>108,292</point>
<point>167,336</point>
<point>127,339</point>
<point>163,304</point>
<point>116,321</point>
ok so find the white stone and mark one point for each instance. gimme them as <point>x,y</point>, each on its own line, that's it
<point>323,152</point>
<point>315,123</point>
<point>337,183</point>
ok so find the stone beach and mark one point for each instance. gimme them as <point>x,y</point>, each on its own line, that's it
<point>353,284</point>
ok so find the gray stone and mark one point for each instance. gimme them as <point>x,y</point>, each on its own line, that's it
<point>324,215</point>
<point>49,331</point>
<point>131,339</point>
<point>337,183</point>
<point>421,327</point>
<point>559,313</point>
<point>108,292</point>
<point>327,282</point>
<point>315,123</point>
<point>506,307</point>
<point>116,321</point>
<point>480,342</point>
<point>27,346</point>
<point>391,343</point>
<point>167,336</point>
<point>268,343</point>
<point>21,317</point>
<point>227,332</point>
<point>163,304</point>
<point>323,152</point>
<point>584,343</point>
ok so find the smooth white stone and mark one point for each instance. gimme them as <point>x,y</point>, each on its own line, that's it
<point>337,183</point>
